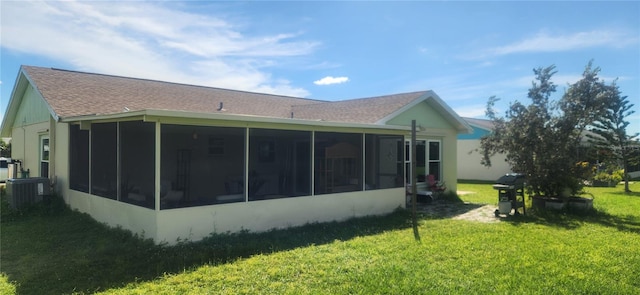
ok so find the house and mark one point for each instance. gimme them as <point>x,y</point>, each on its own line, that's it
<point>469,157</point>
<point>177,161</point>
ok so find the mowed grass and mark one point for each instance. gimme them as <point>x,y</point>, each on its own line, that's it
<point>478,193</point>
<point>559,253</point>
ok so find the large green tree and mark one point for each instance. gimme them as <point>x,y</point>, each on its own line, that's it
<point>611,130</point>
<point>541,139</point>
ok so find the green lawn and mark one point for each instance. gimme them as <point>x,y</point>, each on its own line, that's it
<point>563,253</point>
<point>480,193</point>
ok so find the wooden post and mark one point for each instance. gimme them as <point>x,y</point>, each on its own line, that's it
<point>414,186</point>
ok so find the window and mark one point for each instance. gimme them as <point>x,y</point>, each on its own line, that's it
<point>279,164</point>
<point>338,162</point>
<point>428,160</point>
<point>44,156</point>
<point>78,159</point>
<point>384,156</point>
<point>435,159</point>
<point>420,161</point>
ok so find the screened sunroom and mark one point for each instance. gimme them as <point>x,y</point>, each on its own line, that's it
<point>209,165</point>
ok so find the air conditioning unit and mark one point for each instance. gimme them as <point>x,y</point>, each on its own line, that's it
<point>26,191</point>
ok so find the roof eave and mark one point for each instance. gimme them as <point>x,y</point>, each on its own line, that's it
<point>479,127</point>
<point>461,125</point>
<point>14,103</point>
<point>17,93</point>
<point>484,126</point>
<point>227,117</point>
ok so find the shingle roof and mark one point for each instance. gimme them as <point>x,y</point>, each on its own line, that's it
<point>73,94</point>
<point>482,123</point>
<point>363,110</point>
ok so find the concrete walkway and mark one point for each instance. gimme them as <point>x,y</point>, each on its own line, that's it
<point>484,214</point>
<point>466,211</point>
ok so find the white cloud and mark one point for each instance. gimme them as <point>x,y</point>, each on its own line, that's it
<point>331,80</point>
<point>471,111</point>
<point>545,42</point>
<point>151,40</point>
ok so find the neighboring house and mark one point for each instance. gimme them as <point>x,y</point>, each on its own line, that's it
<point>174,161</point>
<point>469,157</point>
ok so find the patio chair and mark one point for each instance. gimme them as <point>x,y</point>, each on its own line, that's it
<point>434,185</point>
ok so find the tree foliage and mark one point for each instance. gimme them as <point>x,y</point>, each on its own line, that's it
<point>541,139</point>
<point>611,130</point>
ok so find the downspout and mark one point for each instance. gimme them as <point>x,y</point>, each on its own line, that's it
<point>157,174</point>
<point>24,144</point>
<point>52,152</point>
<point>313,163</point>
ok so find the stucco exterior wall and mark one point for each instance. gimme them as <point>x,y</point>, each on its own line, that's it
<point>59,165</point>
<point>424,115</point>
<point>450,160</point>
<point>32,109</point>
<point>30,123</point>
<point>139,220</point>
<point>469,166</point>
<point>196,223</point>
<point>25,145</point>
<point>432,126</point>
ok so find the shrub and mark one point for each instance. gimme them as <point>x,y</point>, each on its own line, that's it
<point>609,177</point>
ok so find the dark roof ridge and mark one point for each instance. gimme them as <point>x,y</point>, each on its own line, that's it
<point>377,96</point>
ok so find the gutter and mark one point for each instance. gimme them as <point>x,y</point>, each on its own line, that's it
<point>147,115</point>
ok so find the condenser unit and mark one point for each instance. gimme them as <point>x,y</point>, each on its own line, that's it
<point>26,191</point>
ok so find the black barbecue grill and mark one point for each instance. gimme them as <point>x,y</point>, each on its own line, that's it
<point>510,189</point>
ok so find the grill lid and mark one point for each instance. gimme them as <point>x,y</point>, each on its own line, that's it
<point>516,179</point>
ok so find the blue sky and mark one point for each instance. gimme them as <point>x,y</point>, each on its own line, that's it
<point>464,51</point>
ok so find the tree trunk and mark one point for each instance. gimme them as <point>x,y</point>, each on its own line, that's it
<point>625,176</point>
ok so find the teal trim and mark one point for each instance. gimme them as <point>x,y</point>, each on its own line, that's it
<point>477,134</point>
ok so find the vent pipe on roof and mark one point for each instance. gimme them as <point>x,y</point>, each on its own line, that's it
<point>291,115</point>
<point>221,107</point>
